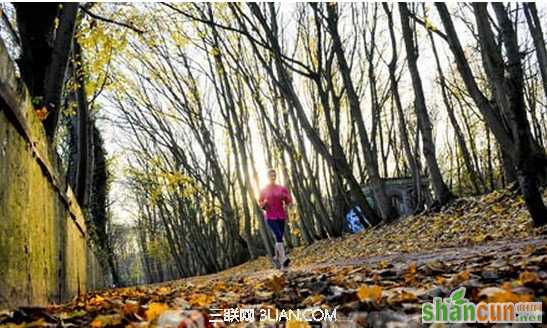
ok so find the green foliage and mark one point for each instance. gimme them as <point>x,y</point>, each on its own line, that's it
<point>158,248</point>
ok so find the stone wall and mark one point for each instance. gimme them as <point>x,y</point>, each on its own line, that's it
<point>44,253</point>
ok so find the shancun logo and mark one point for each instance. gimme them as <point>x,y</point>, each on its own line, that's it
<point>458,309</point>
<point>452,309</point>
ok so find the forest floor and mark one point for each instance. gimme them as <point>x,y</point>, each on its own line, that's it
<point>379,277</point>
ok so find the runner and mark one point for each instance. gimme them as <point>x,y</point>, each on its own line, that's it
<point>274,199</point>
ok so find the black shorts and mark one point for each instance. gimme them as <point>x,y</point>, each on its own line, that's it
<point>278,228</point>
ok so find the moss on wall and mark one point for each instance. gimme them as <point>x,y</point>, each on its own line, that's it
<point>44,255</point>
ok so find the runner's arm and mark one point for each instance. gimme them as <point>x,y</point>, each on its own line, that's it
<point>262,200</point>
<point>288,198</point>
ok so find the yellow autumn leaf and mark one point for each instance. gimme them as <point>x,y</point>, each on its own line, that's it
<point>163,290</point>
<point>97,300</point>
<point>106,320</point>
<point>440,280</point>
<point>275,283</point>
<point>410,274</point>
<point>296,324</point>
<point>507,285</point>
<point>313,299</point>
<point>498,295</point>
<point>215,52</point>
<point>263,295</point>
<point>529,278</point>
<point>220,286</point>
<point>429,25</point>
<point>401,296</point>
<point>460,277</point>
<point>130,307</point>
<point>155,310</point>
<point>407,296</point>
<point>369,293</point>
<point>383,264</point>
<point>200,300</point>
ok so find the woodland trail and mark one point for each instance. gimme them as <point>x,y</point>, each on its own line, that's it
<point>502,249</point>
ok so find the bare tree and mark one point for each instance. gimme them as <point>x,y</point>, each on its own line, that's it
<point>515,139</point>
<point>442,194</point>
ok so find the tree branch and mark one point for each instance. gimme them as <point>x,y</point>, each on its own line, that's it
<point>10,27</point>
<point>108,20</point>
<point>424,24</point>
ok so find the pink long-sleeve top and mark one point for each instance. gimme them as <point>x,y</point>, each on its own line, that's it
<point>275,198</point>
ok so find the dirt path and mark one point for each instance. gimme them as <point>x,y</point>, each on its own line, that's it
<point>502,249</point>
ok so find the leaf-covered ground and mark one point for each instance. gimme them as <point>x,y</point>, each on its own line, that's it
<point>377,277</point>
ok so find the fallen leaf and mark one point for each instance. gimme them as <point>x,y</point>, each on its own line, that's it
<point>263,295</point>
<point>460,277</point>
<point>528,278</point>
<point>296,324</point>
<point>401,296</point>
<point>155,309</point>
<point>106,320</point>
<point>498,295</point>
<point>201,300</point>
<point>163,290</point>
<point>313,299</point>
<point>369,293</point>
<point>73,314</point>
<point>37,323</point>
<point>130,307</point>
<point>275,283</point>
<point>410,274</point>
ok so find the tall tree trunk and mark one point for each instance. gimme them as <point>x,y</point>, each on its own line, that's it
<point>509,171</point>
<point>490,114</point>
<point>534,24</point>
<point>43,67</point>
<point>98,205</point>
<point>237,138</point>
<point>489,164</point>
<point>81,165</point>
<point>475,178</point>
<point>56,70</point>
<point>442,193</point>
<point>529,162</point>
<point>411,159</point>
<point>387,211</point>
